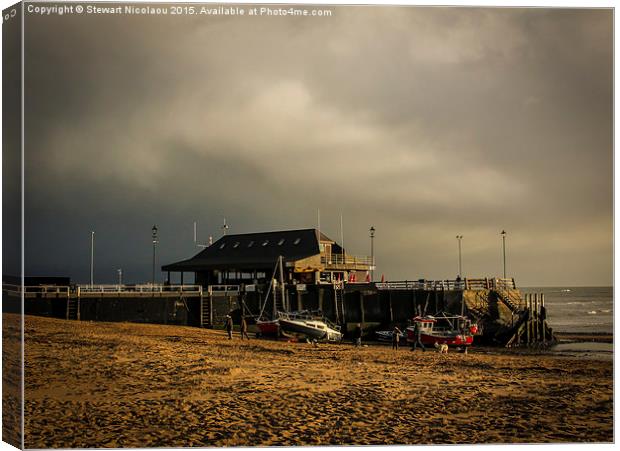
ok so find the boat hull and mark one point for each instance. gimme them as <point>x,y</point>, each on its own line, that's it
<point>300,328</point>
<point>269,328</point>
<point>448,339</point>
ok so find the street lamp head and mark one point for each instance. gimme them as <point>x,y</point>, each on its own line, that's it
<point>503,233</point>
<point>372,232</point>
<point>154,230</point>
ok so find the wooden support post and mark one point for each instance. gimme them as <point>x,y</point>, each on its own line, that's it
<point>544,320</point>
<point>210,310</point>
<point>335,296</point>
<point>534,302</point>
<point>390,305</point>
<point>361,309</point>
<point>527,319</point>
<point>536,317</point>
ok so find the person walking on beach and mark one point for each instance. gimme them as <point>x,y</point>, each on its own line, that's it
<point>244,328</point>
<point>396,337</point>
<point>229,326</point>
<point>357,334</point>
<point>417,332</point>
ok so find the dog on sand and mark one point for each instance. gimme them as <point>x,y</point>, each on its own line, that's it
<point>441,348</point>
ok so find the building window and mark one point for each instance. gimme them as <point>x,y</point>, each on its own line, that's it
<point>265,243</point>
<point>281,242</point>
<point>251,243</point>
<point>236,245</point>
<point>222,245</point>
<point>297,241</point>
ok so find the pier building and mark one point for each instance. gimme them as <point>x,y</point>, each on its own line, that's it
<point>308,255</point>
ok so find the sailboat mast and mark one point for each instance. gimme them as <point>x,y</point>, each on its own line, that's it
<point>282,289</point>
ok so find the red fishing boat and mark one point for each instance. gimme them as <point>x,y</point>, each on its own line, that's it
<point>455,331</point>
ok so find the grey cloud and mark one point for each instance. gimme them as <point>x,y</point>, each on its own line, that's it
<point>424,122</point>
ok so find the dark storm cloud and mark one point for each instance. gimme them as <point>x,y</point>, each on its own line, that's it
<point>424,122</point>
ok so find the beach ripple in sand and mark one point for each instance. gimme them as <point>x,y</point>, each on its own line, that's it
<point>134,385</point>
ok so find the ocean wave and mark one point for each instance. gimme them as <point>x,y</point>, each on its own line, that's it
<point>593,312</point>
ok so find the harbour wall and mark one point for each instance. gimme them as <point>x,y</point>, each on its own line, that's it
<point>499,313</point>
<point>359,305</point>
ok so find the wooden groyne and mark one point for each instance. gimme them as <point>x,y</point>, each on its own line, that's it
<point>505,317</point>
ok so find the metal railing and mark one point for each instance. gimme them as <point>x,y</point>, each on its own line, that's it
<point>422,285</point>
<point>455,284</point>
<point>223,290</point>
<point>146,288</point>
<point>345,260</point>
<point>17,290</point>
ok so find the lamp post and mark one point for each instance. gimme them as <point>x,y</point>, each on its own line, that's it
<point>372,253</point>
<point>120,276</point>
<point>459,238</point>
<point>503,234</point>
<point>92,257</point>
<point>155,241</point>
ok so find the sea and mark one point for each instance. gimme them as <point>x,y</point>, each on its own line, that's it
<point>579,310</point>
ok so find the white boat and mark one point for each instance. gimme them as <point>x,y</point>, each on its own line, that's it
<point>304,323</point>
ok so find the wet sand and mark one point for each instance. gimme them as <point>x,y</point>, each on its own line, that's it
<point>119,384</point>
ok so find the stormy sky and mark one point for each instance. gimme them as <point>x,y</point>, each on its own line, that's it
<point>425,123</point>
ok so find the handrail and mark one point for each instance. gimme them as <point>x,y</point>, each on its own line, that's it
<point>449,284</point>
<point>18,289</point>
<point>339,259</point>
<point>223,290</point>
<point>422,285</point>
<point>147,288</point>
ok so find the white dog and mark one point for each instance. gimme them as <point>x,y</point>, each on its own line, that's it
<point>441,348</point>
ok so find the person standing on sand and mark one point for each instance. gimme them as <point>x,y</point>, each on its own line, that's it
<point>396,337</point>
<point>417,332</point>
<point>357,334</point>
<point>229,326</point>
<point>244,328</point>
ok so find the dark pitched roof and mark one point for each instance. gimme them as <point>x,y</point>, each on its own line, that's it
<point>252,250</point>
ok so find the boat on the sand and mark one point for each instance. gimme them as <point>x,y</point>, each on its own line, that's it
<point>268,328</point>
<point>309,325</point>
<point>455,331</point>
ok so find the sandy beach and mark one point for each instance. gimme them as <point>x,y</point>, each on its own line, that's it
<point>134,385</point>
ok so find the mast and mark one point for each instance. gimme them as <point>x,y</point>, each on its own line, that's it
<point>282,289</point>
